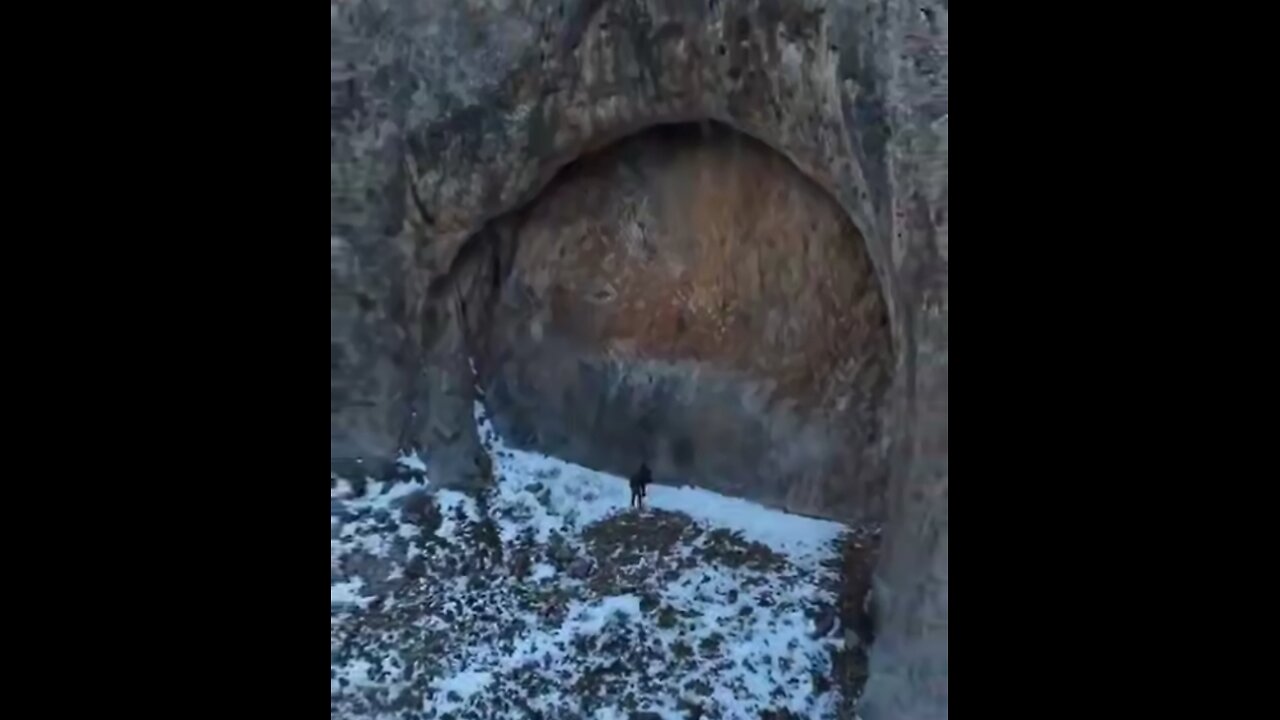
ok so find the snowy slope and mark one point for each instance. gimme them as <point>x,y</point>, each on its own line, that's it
<point>558,601</point>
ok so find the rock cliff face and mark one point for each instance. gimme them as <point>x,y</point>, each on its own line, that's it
<point>690,299</point>
<point>448,114</point>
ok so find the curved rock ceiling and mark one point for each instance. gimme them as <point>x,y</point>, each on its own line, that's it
<point>688,298</point>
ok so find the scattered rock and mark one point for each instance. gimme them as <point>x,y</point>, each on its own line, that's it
<point>580,569</point>
<point>681,650</point>
<point>534,488</point>
<point>399,551</point>
<point>825,620</point>
<point>420,509</point>
<point>710,645</point>
<point>667,617</point>
<point>518,513</point>
<point>520,563</point>
<point>374,570</point>
<point>645,715</point>
<point>698,688</point>
<point>559,552</point>
<point>692,710</point>
<point>821,682</point>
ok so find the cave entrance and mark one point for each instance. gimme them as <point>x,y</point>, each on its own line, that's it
<point>688,297</point>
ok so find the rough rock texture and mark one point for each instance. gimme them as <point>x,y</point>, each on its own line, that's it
<point>688,298</point>
<point>447,113</point>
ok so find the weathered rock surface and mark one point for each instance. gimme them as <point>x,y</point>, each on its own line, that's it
<point>689,299</point>
<point>446,114</point>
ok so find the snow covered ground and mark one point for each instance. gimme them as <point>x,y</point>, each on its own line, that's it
<point>550,598</point>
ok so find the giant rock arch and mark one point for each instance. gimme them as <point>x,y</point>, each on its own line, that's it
<point>448,115</point>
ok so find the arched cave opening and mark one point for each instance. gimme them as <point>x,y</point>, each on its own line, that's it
<point>686,296</point>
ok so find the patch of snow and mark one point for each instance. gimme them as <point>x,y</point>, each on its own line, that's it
<point>379,495</point>
<point>347,593</point>
<point>412,461</point>
<point>790,534</point>
<point>591,618</point>
<point>341,489</point>
<point>463,686</point>
<point>542,571</point>
<point>586,496</point>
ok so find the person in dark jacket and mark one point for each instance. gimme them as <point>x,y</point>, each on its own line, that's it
<point>638,482</point>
